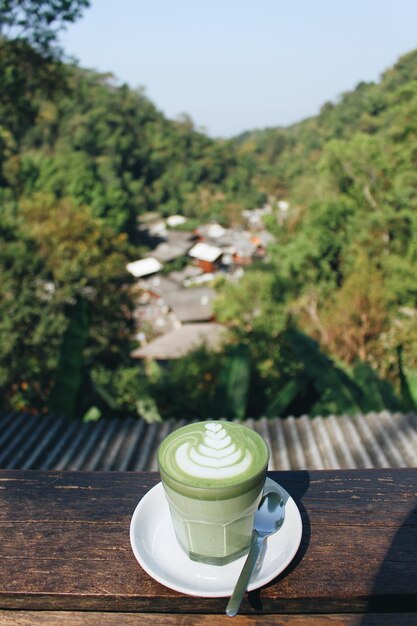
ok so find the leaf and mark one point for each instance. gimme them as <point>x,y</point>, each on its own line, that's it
<point>92,415</point>
<point>411,377</point>
<point>70,372</point>
<point>148,410</point>
<point>408,382</point>
<point>231,394</point>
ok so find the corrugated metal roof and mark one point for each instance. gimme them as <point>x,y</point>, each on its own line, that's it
<point>45,442</point>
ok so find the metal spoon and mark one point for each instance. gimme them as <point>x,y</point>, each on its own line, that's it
<point>268,519</point>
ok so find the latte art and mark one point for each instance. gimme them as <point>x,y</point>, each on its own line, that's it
<point>217,456</point>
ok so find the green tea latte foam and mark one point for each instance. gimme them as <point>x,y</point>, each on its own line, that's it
<point>213,474</point>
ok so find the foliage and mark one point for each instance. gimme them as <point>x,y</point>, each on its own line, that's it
<point>231,393</point>
<point>185,388</point>
<point>408,382</point>
<point>30,67</point>
<point>108,147</point>
<point>46,267</point>
<point>37,22</point>
<point>345,253</point>
<point>326,324</point>
<point>70,371</point>
<point>81,160</point>
<point>32,319</point>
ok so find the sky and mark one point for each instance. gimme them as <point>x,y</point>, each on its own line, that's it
<point>238,65</point>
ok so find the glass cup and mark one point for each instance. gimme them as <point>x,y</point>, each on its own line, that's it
<point>213,474</point>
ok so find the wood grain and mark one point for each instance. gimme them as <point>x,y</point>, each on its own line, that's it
<point>65,546</point>
<point>75,618</point>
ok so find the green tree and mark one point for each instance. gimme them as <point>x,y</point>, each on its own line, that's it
<point>29,56</point>
<point>38,22</point>
<point>55,255</point>
<point>32,319</point>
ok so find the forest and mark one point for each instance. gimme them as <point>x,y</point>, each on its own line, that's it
<point>327,325</point>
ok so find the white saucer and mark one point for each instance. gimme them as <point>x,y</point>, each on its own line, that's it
<point>155,546</point>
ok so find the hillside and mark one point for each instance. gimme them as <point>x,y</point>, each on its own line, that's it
<point>381,110</point>
<point>82,158</point>
<point>107,146</point>
<point>345,259</point>
<point>328,324</point>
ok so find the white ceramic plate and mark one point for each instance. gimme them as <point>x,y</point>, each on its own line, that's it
<point>155,546</point>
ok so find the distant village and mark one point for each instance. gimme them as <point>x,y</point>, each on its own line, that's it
<point>174,306</point>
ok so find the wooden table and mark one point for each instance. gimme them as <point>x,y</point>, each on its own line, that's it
<point>66,556</point>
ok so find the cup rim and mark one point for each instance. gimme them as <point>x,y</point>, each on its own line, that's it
<point>205,491</point>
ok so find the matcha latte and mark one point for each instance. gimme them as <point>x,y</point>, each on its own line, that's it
<point>213,474</point>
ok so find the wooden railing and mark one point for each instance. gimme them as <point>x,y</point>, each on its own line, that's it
<point>66,556</point>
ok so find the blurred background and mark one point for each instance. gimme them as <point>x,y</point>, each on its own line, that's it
<point>207,210</point>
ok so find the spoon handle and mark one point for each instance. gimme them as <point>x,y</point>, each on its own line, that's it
<point>244,578</point>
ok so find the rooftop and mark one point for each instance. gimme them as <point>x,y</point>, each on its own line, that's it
<point>191,304</point>
<point>205,252</point>
<point>179,342</point>
<point>176,244</point>
<point>144,267</point>
<point>335,442</point>
<point>160,285</point>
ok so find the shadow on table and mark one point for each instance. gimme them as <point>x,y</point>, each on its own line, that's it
<point>395,586</point>
<point>297,484</point>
